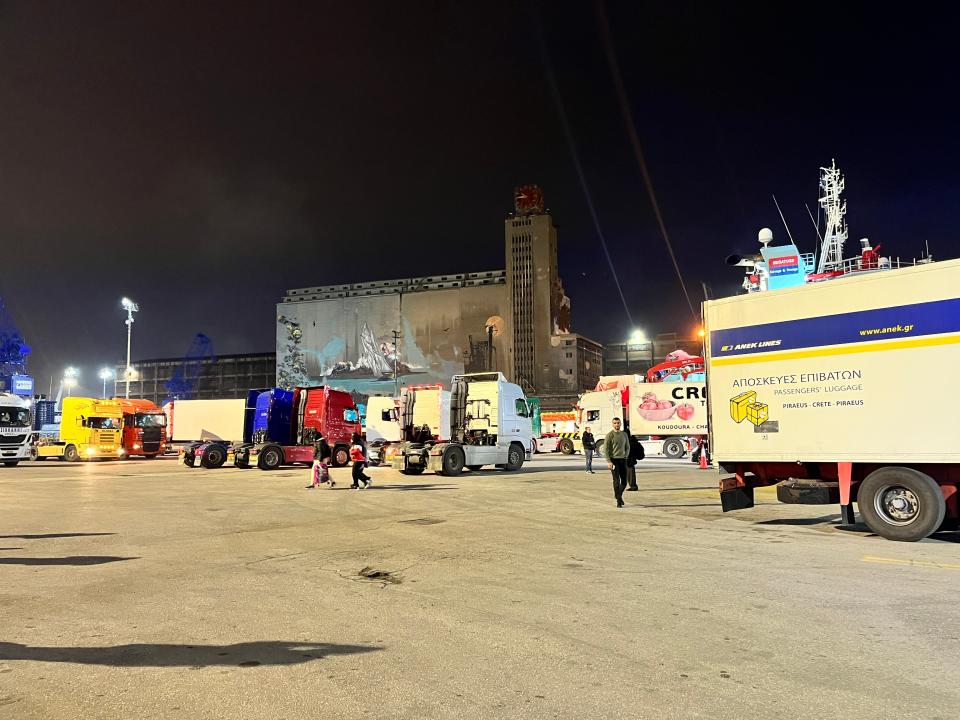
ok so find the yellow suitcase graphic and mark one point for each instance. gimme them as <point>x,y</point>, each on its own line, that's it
<point>738,405</point>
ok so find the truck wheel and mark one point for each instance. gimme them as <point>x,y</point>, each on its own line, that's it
<point>598,449</point>
<point>341,456</point>
<point>70,453</point>
<point>900,503</point>
<point>412,471</point>
<point>11,463</point>
<point>474,468</point>
<point>673,448</point>
<point>271,457</point>
<point>515,456</point>
<point>566,446</point>
<point>453,461</point>
<point>213,457</point>
<point>188,458</point>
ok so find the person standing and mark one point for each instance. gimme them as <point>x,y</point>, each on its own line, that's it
<point>321,463</point>
<point>588,447</point>
<point>636,455</point>
<point>616,448</point>
<point>358,454</point>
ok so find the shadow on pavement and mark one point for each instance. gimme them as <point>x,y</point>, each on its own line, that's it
<point>437,486</point>
<point>71,560</point>
<point>43,536</point>
<point>823,519</point>
<point>248,654</point>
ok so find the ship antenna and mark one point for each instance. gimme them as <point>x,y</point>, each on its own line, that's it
<point>782,218</point>
<point>816,226</point>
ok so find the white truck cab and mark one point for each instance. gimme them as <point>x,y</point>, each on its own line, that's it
<point>15,429</point>
<point>490,423</point>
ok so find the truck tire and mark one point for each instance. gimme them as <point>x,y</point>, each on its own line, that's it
<point>453,461</point>
<point>271,457</point>
<point>412,471</point>
<point>515,457</point>
<point>70,453</point>
<point>673,448</point>
<point>188,456</point>
<point>341,456</point>
<point>566,446</point>
<point>10,463</point>
<point>598,449</point>
<point>213,457</point>
<point>900,503</point>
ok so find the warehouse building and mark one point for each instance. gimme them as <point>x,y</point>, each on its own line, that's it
<point>371,338</point>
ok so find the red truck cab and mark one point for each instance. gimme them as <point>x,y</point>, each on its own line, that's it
<point>144,428</point>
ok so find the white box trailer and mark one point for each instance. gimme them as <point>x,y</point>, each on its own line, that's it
<point>204,420</point>
<point>842,391</point>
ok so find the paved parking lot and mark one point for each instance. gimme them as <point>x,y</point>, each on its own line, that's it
<point>148,590</point>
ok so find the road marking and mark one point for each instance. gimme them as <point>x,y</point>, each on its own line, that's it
<point>911,563</point>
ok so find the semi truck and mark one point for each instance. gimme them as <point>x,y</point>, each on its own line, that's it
<point>490,423</point>
<point>842,392</point>
<point>90,429</point>
<point>662,415</point>
<point>421,414</point>
<point>15,429</point>
<point>144,428</point>
<point>280,427</point>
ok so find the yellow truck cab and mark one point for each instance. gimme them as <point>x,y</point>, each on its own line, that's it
<point>89,429</point>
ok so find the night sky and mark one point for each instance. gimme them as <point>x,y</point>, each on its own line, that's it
<point>204,157</point>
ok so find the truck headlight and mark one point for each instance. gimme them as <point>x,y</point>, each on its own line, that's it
<point>136,446</point>
<point>121,452</point>
<point>91,451</point>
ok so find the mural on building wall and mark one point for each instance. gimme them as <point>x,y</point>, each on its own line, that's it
<point>350,343</point>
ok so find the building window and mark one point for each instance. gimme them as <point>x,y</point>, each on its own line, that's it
<point>569,355</point>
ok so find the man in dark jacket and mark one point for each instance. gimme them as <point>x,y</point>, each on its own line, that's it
<point>588,446</point>
<point>636,454</point>
<point>616,448</point>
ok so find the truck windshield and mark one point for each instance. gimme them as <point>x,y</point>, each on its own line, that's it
<point>14,416</point>
<point>100,423</point>
<point>151,420</point>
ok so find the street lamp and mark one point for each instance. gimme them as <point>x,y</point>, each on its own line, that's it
<point>69,381</point>
<point>636,337</point>
<point>105,374</point>
<point>131,307</point>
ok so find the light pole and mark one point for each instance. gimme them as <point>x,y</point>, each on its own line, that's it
<point>70,376</point>
<point>105,374</point>
<point>131,307</point>
<point>637,337</point>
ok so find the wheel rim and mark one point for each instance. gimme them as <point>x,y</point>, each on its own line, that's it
<point>214,457</point>
<point>271,458</point>
<point>514,457</point>
<point>897,505</point>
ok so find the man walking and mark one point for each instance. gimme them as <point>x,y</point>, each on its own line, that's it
<point>588,447</point>
<point>616,448</point>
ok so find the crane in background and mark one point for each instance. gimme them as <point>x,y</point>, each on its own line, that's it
<point>183,382</point>
<point>13,357</point>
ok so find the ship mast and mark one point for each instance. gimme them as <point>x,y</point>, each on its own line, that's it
<point>831,186</point>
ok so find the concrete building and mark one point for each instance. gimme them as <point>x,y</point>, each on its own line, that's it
<point>578,363</point>
<point>626,358</point>
<point>223,377</point>
<point>372,337</point>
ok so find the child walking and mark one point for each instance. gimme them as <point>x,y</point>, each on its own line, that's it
<point>321,464</point>
<point>358,453</point>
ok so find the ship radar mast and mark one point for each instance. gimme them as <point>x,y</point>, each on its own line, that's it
<point>831,186</point>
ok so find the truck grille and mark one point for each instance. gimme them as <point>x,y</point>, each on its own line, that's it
<point>12,439</point>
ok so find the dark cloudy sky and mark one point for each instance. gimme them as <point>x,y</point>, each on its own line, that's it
<point>204,157</point>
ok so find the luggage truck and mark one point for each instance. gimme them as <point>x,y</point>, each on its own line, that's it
<point>15,429</point>
<point>490,424</point>
<point>280,427</point>
<point>840,392</point>
<point>192,423</point>
<point>144,428</point>
<point>89,430</point>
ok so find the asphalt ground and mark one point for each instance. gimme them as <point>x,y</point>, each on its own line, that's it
<point>143,589</point>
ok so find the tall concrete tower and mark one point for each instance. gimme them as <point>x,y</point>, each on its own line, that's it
<point>539,308</point>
